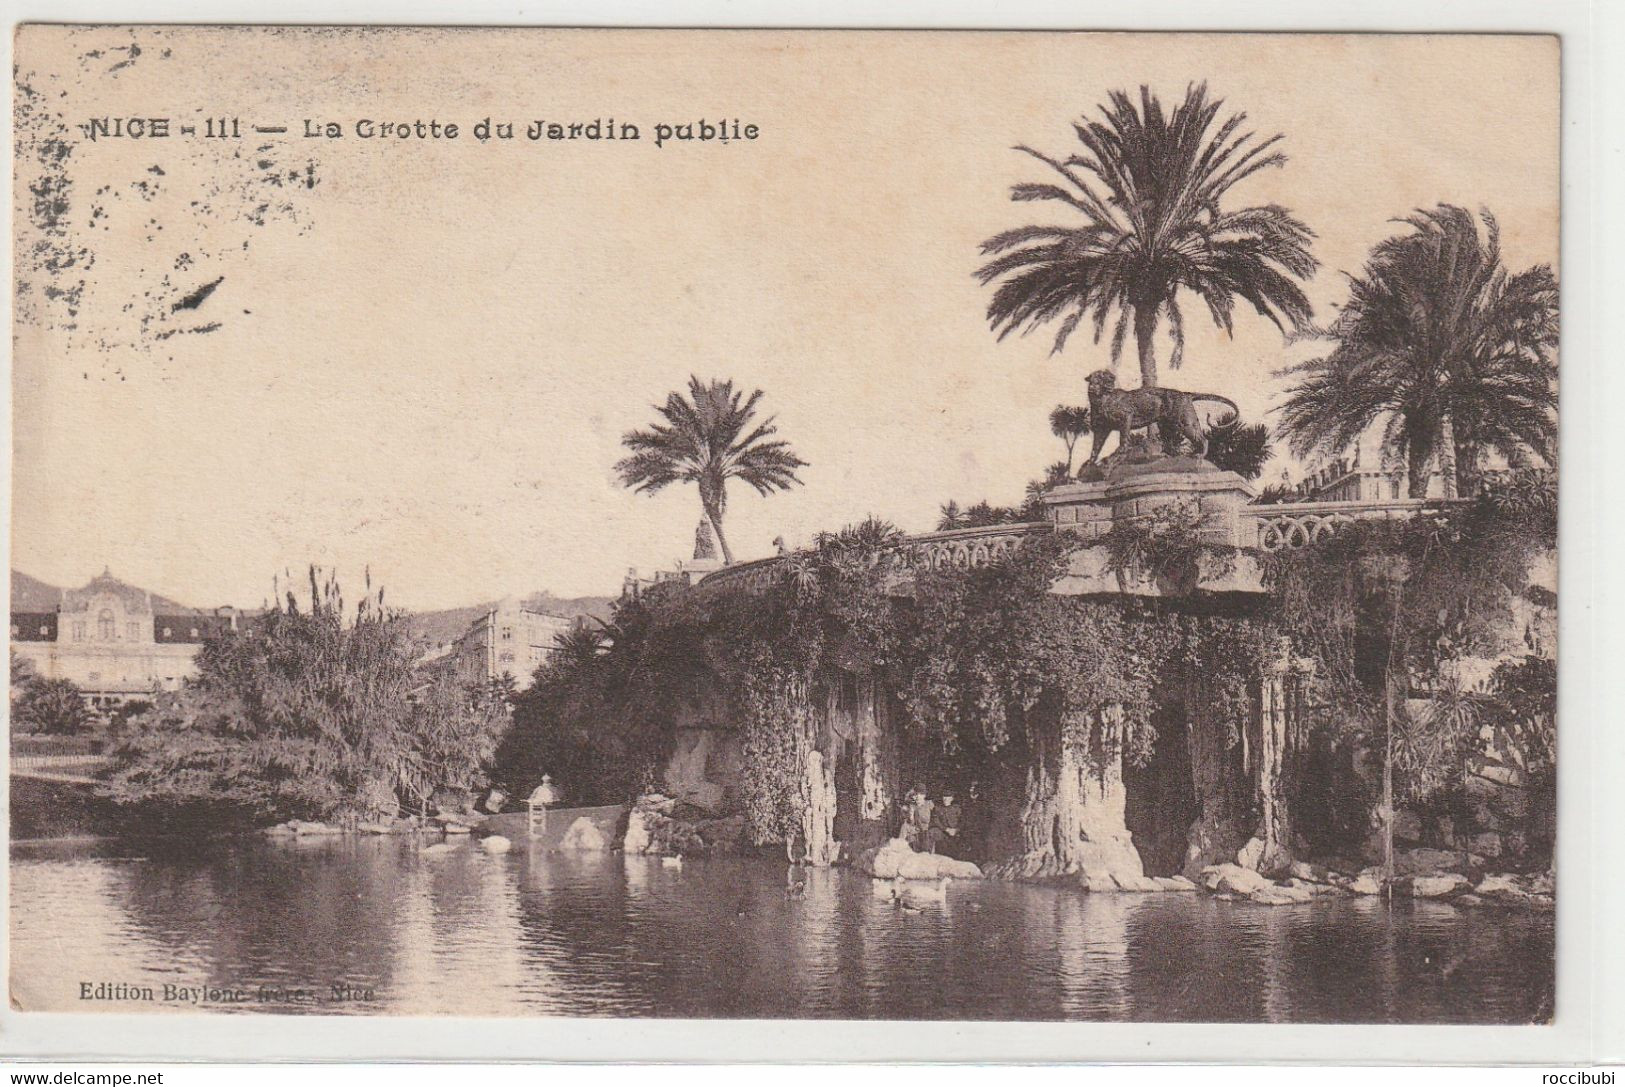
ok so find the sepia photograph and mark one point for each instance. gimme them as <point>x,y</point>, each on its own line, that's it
<point>785,525</point>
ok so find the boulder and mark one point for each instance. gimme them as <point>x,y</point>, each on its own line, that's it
<point>1417,862</point>
<point>585,836</point>
<point>1250,855</point>
<point>1282,895</point>
<point>1501,888</point>
<point>657,825</point>
<point>1310,873</point>
<point>1468,900</point>
<point>1368,882</point>
<point>496,843</point>
<point>897,859</point>
<point>1234,879</point>
<point>1311,886</point>
<point>1438,886</point>
<point>302,827</point>
<point>637,832</point>
<point>1487,844</point>
<point>1174,883</point>
<point>1143,884</point>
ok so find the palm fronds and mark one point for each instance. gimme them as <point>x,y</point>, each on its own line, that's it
<point>1149,186</point>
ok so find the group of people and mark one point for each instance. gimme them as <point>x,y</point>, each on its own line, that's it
<point>933,826</point>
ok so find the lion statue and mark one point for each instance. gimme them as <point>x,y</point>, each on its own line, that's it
<point>1171,411</point>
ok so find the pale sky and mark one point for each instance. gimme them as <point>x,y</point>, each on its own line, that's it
<point>425,360</point>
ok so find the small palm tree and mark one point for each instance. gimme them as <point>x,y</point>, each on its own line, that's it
<point>1457,355</point>
<point>1243,450</point>
<point>1149,186</point>
<point>707,438</point>
<point>1069,423</point>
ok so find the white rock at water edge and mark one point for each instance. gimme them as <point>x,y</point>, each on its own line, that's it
<point>584,835</point>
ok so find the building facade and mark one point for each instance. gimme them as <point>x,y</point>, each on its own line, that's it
<point>114,641</point>
<point>509,640</point>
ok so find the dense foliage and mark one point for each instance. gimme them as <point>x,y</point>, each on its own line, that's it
<point>979,659</point>
<point>312,712</point>
<point>52,706</point>
<point>986,662</point>
<point>1391,611</point>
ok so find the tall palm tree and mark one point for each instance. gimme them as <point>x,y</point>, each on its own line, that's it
<point>1149,186</point>
<point>1441,342</point>
<point>708,438</point>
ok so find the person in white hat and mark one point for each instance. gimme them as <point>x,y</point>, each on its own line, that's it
<point>541,797</point>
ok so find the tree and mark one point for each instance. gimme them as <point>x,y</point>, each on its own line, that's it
<point>707,439</point>
<point>54,706</point>
<point>313,711</point>
<point>22,670</point>
<point>1243,450</point>
<point>1069,424</point>
<point>1439,340</point>
<point>1149,186</point>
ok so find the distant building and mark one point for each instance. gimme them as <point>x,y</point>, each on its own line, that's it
<point>114,641</point>
<point>511,640</point>
<point>1365,476</point>
<point>706,560</point>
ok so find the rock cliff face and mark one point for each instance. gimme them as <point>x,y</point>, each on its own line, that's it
<point>1070,818</point>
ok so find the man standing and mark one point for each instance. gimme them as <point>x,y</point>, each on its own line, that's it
<point>543,795</point>
<point>944,826</point>
<point>917,819</point>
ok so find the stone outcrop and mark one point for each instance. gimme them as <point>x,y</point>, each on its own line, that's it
<point>584,836</point>
<point>1071,820</point>
<point>1233,881</point>
<point>897,860</point>
<point>664,826</point>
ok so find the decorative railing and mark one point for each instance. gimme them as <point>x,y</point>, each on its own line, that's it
<point>959,548</point>
<point>1272,528</point>
<point>1299,524</point>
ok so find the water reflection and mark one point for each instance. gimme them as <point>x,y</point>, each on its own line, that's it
<point>537,932</point>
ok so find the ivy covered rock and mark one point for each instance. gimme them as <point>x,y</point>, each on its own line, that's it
<point>667,827</point>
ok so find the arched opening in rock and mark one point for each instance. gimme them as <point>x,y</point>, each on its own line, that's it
<point>1161,799</point>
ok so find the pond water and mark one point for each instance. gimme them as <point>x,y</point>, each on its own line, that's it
<point>268,926</point>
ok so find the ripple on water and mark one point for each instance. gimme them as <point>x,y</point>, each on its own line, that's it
<point>544,933</point>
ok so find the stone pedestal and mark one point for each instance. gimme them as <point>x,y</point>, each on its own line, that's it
<point>1131,492</point>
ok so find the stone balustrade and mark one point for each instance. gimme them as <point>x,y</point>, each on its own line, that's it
<point>1268,528</point>
<point>960,548</point>
<point>1298,524</point>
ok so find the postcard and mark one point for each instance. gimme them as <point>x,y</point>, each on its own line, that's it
<point>785,524</point>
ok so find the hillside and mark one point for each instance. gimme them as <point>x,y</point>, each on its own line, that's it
<point>32,594</point>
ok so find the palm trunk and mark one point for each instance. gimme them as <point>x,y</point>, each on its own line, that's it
<point>1390,711</point>
<point>713,497</point>
<point>715,517</point>
<point>1419,466</point>
<point>1145,334</point>
<point>1448,457</point>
